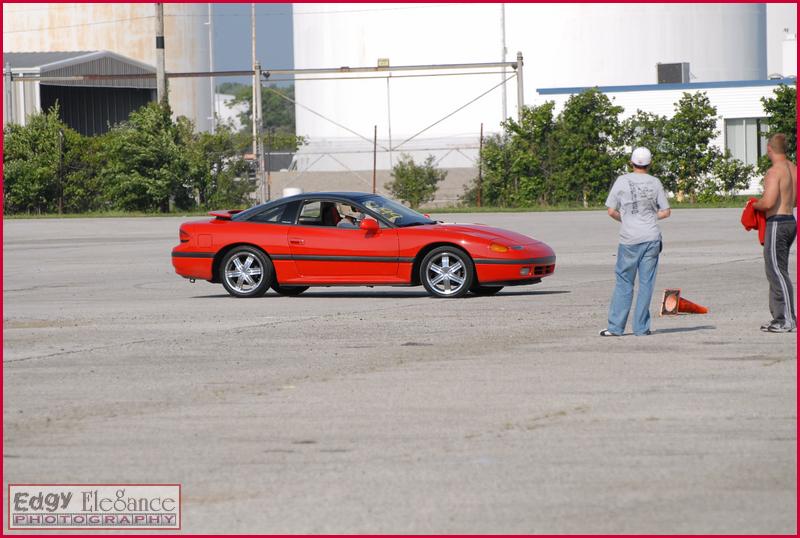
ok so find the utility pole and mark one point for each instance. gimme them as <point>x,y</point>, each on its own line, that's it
<point>60,171</point>
<point>161,78</point>
<point>211,68</point>
<point>8,96</point>
<point>504,50</point>
<point>520,88</point>
<point>256,82</point>
<point>389,117</point>
<point>258,129</point>
<point>480,170</point>
<point>374,159</point>
<point>269,162</point>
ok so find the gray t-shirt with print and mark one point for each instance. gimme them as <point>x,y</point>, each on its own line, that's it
<point>638,197</point>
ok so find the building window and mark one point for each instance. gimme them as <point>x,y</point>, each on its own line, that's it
<point>746,138</point>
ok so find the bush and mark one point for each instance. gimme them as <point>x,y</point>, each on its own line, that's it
<point>148,163</point>
<point>781,110</point>
<point>37,158</point>
<point>413,183</point>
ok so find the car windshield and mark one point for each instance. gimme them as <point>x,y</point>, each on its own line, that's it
<point>396,213</point>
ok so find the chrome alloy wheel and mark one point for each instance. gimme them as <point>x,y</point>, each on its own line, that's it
<point>243,273</point>
<point>446,274</point>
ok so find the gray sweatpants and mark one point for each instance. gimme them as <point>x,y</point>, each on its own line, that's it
<point>781,232</point>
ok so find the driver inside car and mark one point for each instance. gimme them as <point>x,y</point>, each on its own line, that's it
<point>350,217</point>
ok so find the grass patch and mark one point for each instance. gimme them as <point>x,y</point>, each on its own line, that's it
<point>102,215</point>
<point>732,201</point>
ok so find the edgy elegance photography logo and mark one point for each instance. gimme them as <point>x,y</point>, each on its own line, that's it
<point>94,506</point>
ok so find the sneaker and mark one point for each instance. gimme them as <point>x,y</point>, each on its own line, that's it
<point>648,332</point>
<point>765,326</point>
<point>606,332</point>
<point>777,328</point>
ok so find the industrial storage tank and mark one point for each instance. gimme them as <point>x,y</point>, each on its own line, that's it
<point>126,29</point>
<point>564,45</point>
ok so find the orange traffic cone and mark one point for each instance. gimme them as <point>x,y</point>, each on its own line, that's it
<point>688,307</point>
<point>672,304</point>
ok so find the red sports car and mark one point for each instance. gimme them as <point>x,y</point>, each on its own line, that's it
<point>353,239</point>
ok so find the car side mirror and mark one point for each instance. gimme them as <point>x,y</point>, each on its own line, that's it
<point>369,225</point>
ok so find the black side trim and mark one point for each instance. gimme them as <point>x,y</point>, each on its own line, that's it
<point>384,259</point>
<point>192,254</point>
<point>492,261</point>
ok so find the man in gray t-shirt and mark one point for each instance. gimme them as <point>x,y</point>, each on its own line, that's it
<point>638,201</point>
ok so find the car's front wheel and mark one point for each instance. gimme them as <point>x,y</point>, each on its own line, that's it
<point>246,272</point>
<point>447,272</point>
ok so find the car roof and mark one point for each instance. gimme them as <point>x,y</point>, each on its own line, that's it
<point>332,194</point>
<point>354,196</point>
<point>344,195</point>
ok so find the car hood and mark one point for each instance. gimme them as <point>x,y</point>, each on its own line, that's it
<point>490,233</point>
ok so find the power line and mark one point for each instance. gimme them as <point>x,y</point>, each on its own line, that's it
<point>79,25</point>
<point>267,14</point>
<point>349,130</point>
<point>462,107</point>
<point>294,12</point>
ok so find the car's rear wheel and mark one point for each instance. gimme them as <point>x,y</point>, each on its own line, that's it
<point>485,290</point>
<point>246,272</point>
<point>447,272</point>
<point>290,291</point>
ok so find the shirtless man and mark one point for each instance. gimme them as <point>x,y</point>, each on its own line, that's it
<point>778,201</point>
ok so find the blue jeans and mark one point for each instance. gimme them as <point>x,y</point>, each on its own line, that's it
<point>641,258</point>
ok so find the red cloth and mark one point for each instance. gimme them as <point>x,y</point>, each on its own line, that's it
<point>753,219</point>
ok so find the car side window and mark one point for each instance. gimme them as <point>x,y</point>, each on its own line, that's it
<point>310,214</point>
<point>270,216</point>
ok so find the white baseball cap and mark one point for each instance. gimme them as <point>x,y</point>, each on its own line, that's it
<point>641,157</point>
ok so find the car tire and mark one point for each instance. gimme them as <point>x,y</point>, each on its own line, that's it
<point>447,272</point>
<point>246,272</point>
<point>485,290</point>
<point>289,291</point>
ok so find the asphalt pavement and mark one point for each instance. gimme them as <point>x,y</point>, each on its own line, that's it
<point>355,410</point>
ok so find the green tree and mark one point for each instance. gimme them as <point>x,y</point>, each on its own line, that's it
<point>644,129</point>
<point>589,158</point>
<point>728,176</point>
<point>278,113</point>
<point>37,158</point>
<point>415,183</point>
<point>220,174</point>
<point>147,167</point>
<point>781,110</point>
<point>83,188</point>
<point>688,136</point>
<point>517,166</point>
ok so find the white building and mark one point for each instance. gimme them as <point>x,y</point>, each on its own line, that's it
<point>564,45</point>
<point>740,122</point>
<point>227,112</point>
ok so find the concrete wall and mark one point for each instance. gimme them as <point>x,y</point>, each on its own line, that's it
<point>449,190</point>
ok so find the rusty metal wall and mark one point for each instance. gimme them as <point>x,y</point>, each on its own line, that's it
<point>105,66</point>
<point>127,29</point>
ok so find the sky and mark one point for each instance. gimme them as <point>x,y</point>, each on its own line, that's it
<point>232,37</point>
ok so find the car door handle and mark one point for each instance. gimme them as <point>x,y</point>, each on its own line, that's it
<point>295,241</point>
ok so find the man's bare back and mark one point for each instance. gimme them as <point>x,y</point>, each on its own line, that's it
<point>785,175</point>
